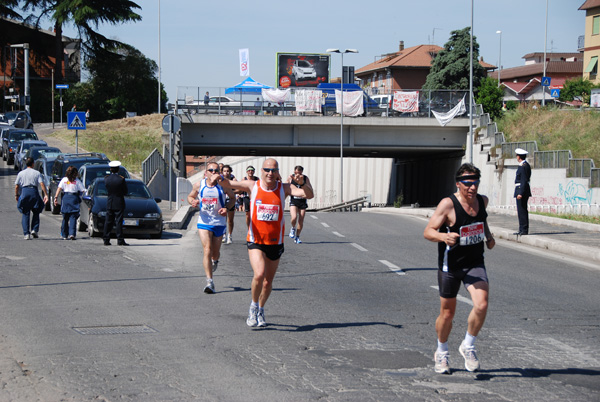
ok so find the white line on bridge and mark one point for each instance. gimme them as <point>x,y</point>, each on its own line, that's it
<point>458,297</point>
<point>358,246</point>
<point>324,224</point>
<point>393,267</point>
<point>338,234</point>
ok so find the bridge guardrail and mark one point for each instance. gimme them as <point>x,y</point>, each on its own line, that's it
<point>348,206</point>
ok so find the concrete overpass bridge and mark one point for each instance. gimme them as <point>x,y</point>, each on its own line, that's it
<point>425,155</point>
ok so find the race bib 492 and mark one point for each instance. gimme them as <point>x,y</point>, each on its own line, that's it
<point>267,213</point>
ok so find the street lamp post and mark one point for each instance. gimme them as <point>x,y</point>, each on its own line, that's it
<point>499,57</point>
<point>342,118</point>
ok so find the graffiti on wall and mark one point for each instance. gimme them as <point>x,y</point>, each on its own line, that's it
<point>575,193</point>
<point>539,198</point>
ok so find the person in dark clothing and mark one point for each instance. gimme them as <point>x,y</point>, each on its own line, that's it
<point>522,191</point>
<point>115,204</point>
<point>459,226</point>
<point>28,199</point>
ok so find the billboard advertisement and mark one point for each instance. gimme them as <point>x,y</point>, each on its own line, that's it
<point>302,69</point>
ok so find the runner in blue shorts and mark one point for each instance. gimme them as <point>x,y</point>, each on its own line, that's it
<point>459,226</point>
<point>213,202</point>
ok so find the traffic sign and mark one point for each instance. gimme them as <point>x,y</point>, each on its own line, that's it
<point>555,93</point>
<point>166,123</point>
<point>546,81</point>
<point>76,120</point>
<point>61,86</point>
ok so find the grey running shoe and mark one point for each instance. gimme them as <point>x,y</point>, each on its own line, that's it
<point>209,288</point>
<point>468,352</point>
<point>293,233</point>
<point>442,364</point>
<point>260,317</point>
<point>34,234</point>
<point>252,320</point>
<point>215,265</point>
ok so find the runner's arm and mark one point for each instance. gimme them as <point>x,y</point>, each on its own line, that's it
<point>192,197</point>
<point>439,217</point>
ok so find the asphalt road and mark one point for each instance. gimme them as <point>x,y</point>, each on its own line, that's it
<point>351,318</point>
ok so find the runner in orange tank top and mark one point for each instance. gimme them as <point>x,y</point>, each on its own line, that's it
<point>266,231</point>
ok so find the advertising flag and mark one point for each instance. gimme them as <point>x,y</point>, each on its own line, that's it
<point>244,62</point>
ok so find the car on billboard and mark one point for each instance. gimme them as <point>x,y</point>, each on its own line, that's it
<point>303,69</point>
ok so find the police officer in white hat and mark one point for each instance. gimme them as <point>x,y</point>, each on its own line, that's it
<point>522,191</point>
<point>116,187</point>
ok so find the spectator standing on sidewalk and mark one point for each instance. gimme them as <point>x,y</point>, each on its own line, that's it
<point>72,189</point>
<point>459,226</point>
<point>522,191</point>
<point>116,187</point>
<point>28,198</point>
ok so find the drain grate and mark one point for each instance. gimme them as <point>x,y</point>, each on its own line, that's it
<point>115,330</point>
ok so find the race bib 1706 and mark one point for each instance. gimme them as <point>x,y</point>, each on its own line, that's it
<point>266,212</point>
<point>471,234</point>
<point>209,204</point>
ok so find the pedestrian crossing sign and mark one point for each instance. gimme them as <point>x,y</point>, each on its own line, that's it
<point>76,120</point>
<point>555,93</point>
<point>546,81</point>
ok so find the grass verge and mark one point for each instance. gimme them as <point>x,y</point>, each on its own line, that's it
<point>572,217</point>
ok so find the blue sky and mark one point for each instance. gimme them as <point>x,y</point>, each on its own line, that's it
<point>200,39</point>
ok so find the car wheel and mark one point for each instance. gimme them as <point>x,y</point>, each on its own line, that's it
<point>81,227</point>
<point>54,208</point>
<point>90,228</point>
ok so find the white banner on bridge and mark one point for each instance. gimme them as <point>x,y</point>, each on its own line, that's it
<point>308,100</point>
<point>276,95</point>
<point>406,102</point>
<point>353,102</point>
<point>445,118</point>
<point>244,62</point>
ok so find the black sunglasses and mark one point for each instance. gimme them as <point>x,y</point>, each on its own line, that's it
<point>275,170</point>
<point>213,170</point>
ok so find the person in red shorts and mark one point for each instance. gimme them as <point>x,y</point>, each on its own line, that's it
<point>266,231</point>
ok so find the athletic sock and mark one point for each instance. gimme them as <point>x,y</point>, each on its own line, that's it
<point>442,346</point>
<point>254,304</point>
<point>469,339</point>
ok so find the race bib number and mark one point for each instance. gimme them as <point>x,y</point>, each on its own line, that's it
<point>267,213</point>
<point>209,204</point>
<point>471,234</point>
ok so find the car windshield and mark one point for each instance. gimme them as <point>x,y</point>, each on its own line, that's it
<point>136,189</point>
<point>20,136</point>
<point>48,153</point>
<point>8,116</point>
<point>26,145</point>
<point>304,63</point>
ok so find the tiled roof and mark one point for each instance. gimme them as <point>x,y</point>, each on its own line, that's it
<point>416,56</point>
<point>590,4</point>
<point>524,87</point>
<point>554,55</point>
<point>563,67</point>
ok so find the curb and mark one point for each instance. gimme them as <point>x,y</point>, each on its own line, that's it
<point>180,218</point>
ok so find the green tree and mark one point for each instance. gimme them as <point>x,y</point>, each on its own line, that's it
<point>86,15</point>
<point>577,87</point>
<point>450,68</point>
<point>8,7</point>
<point>490,96</point>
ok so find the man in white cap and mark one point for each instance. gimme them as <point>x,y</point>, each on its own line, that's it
<point>522,191</point>
<point>116,187</point>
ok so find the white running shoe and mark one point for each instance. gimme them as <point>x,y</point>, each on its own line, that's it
<point>252,320</point>
<point>224,239</point>
<point>260,318</point>
<point>292,233</point>
<point>442,363</point>
<point>468,352</point>
<point>229,241</point>
<point>210,287</point>
<point>297,240</point>
<point>27,237</point>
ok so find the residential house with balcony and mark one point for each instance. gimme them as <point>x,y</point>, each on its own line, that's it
<point>591,49</point>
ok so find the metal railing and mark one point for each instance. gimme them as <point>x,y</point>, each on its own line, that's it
<point>552,159</point>
<point>508,148</point>
<point>190,100</point>
<point>595,177</point>
<point>348,206</point>
<point>580,167</point>
<point>151,164</point>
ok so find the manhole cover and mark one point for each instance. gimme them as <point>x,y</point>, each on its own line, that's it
<point>115,330</point>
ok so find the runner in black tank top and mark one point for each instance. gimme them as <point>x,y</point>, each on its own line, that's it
<point>298,205</point>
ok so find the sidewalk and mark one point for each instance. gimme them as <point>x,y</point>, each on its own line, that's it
<point>563,236</point>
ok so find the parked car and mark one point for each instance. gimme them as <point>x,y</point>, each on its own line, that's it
<point>142,213</point>
<point>59,170</point>
<point>39,151</point>
<point>303,69</point>
<point>24,146</point>
<point>90,172</point>
<point>17,119</point>
<point>384,103</point>
<point>11,143</point>
<point>43,164</point>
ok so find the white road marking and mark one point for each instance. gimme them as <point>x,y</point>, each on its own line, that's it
<point>324,224</point>
<point>458,297</point>
<point>338,234</point>
<point>129,258</point>
<point>361,248</point>
<point>314,216</point>
<point>393,267</point>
